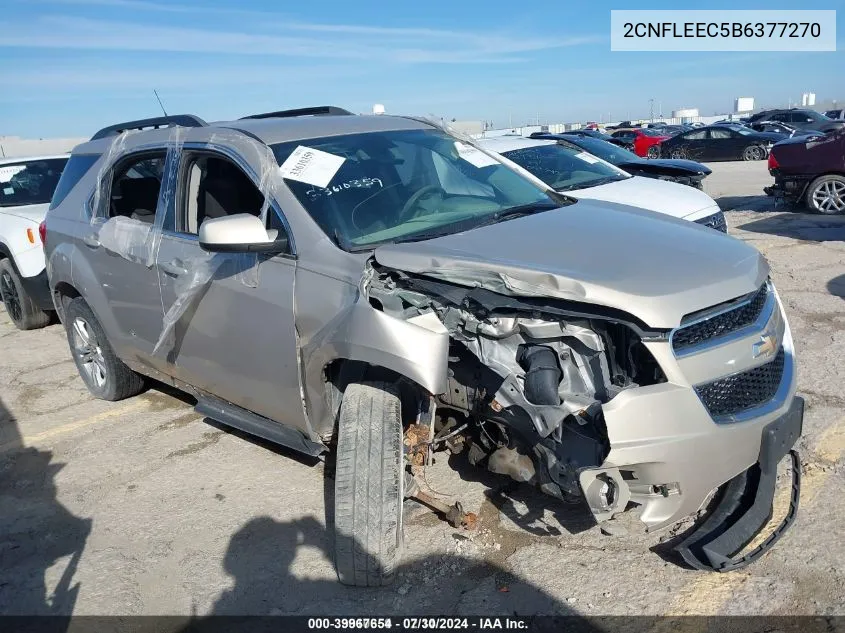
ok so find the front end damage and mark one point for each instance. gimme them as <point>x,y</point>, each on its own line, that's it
<point>587,402</point>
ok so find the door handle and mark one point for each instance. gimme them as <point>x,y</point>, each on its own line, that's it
<point>91,241</point>
<point>174,267</point>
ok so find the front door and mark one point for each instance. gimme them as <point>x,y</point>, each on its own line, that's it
<point>229,318</point>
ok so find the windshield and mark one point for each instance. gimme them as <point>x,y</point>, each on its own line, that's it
<point>29,181</point>
<point>381,187</point>
<point>564,169</point>
<point>607,151</point>
<point>653,132</point>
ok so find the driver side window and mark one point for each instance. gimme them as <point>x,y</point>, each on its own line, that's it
<point>214,187</point>
<point>719,133</point>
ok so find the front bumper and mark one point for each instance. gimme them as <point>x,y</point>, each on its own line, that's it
<point>672,444</point>
<point>745,503</point>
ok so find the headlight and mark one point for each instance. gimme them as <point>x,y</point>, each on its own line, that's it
<point>716,221</point>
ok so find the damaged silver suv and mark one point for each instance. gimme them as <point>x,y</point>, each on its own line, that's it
<point>376,288</point>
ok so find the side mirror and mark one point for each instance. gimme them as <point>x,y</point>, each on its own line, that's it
<point>240,233</point>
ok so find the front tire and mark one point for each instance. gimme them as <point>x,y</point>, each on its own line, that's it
<point>678,154</point>
<point>19,305</point>
<point>653,152</point>
<point>105,375</point>
<point>369,489</point>
<point>753,152</point>
<point>826,195</point>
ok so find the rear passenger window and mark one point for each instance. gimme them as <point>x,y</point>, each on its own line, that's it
<point>135,188</point>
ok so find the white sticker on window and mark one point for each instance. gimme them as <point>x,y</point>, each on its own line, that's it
<point>587,158</point>
<point>8,171</point>
<point>474,156</point>
<point>9,191</point>
<point>311,166</point>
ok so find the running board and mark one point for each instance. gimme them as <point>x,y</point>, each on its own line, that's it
<point>254,424</point>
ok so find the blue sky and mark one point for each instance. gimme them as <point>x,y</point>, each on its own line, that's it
<point>72,66</point>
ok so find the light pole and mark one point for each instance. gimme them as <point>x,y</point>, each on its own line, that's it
<point>651,109</point>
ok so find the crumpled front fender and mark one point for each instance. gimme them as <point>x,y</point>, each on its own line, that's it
<point>416,348</point>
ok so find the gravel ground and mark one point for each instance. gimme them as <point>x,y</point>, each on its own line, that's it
<point>143,507</point>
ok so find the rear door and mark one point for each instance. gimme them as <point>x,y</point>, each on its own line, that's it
<point>694,144</point>
<point>117,245</point>
<point>229,318</point>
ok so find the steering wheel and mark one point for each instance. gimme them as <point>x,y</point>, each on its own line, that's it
<point>406,212</point>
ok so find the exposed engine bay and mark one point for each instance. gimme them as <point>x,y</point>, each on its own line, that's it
<point>526,378</point>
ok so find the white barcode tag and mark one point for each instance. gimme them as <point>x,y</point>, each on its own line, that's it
<point>311,166</point>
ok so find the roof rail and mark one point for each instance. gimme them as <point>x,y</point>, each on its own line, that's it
<point>314,111</point>
<point>185,120</point>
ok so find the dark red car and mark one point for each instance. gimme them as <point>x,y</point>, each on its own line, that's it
<point>811,169</point>
<point>642,141</point>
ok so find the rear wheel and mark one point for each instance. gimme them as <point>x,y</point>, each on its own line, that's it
<point>105,375</point>
<point>19,305</point>
<point>753,152</point>
<point>826,194</point>
<point>369,487</point>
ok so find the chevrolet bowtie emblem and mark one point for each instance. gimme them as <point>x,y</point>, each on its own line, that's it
<point>766,346</point>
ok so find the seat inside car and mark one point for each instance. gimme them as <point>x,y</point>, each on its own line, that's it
<point>136,198</point>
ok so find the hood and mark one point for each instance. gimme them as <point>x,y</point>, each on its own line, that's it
<point>678,164</point>
<point>34,212</point>
<point>655,268</point>
<point>661,196</point>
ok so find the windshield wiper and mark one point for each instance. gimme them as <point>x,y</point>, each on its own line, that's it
<point>470,223</point>
<point>593,183</point>
<point>517,212</point>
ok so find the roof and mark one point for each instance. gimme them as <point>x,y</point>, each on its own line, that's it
<point>8,160</point>
<point>276,130</point>
<point>503,144</point>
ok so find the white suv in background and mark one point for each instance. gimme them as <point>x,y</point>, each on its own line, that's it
<point>579,174</point>
<point>26,189</point>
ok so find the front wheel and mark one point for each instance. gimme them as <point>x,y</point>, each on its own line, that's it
<point>369,485</point>
<point>678,154</point>
<point>653,152</point>
<point>753,152</point>
<point>105,375</point>
<point>19,305</point>
<point>826,194</point>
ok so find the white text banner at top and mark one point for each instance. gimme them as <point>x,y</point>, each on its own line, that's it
<point>710,30</point>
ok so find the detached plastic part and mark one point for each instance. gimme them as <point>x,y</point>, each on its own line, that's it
<point>745,503</point>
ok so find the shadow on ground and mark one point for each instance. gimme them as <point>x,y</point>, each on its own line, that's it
<point>261,553</point>
<point>36,531</point>
<point>746,203</point>
<point>836,286</point>
<point>800,226</point>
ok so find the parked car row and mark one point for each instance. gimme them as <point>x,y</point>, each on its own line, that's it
<point>373,288</point>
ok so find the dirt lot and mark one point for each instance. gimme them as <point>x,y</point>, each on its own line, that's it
<point>143,507</point>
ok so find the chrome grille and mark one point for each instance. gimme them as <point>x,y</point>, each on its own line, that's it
<point>743,391</point>
<point>723,323</point>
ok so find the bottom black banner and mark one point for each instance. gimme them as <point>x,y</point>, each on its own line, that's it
<point>295,624</point>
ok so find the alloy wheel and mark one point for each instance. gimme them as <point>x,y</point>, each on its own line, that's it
<point>10,297</point>
<point>829,197</point>
<point>753,153</point>
<point>89,352</point>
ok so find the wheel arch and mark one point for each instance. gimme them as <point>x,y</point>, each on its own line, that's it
<point>363,341</point>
